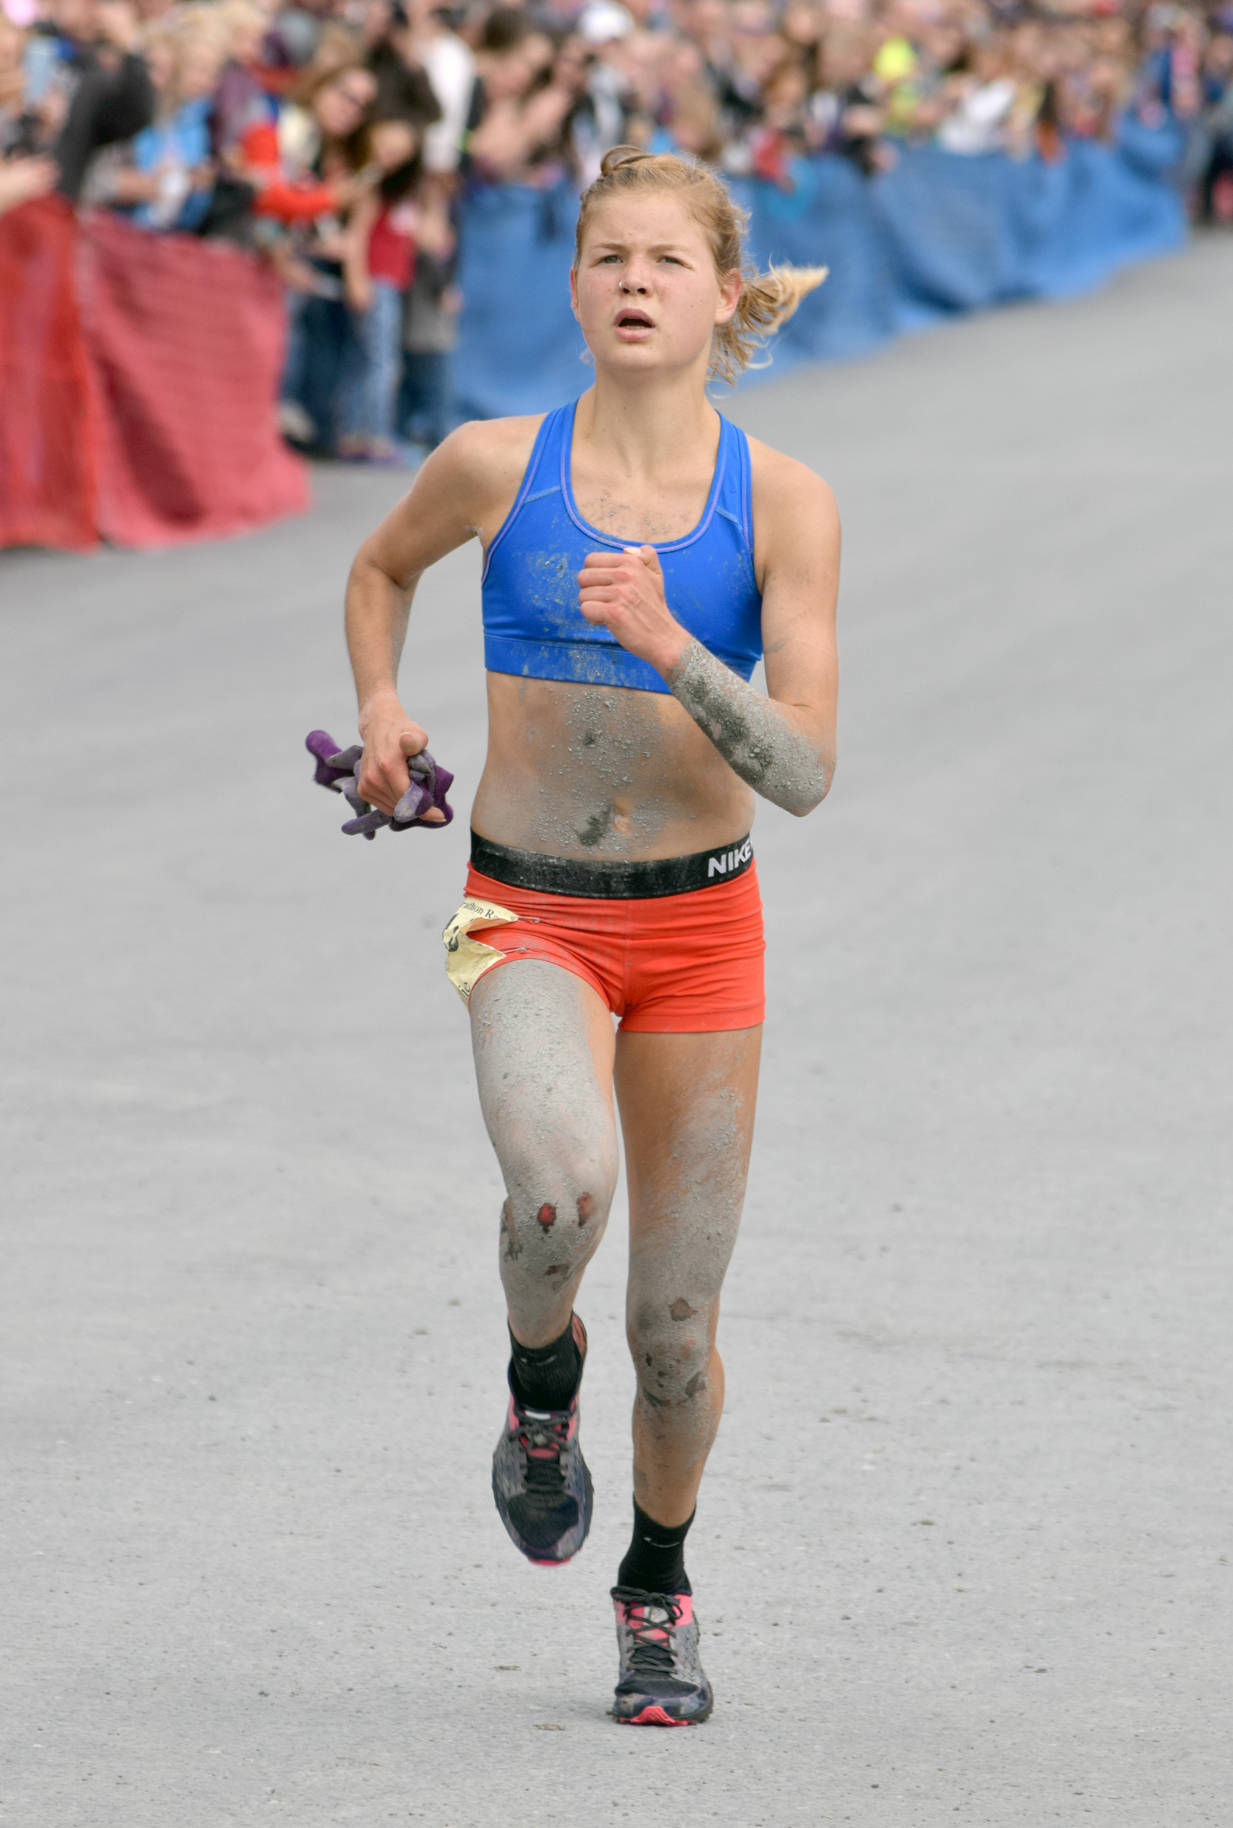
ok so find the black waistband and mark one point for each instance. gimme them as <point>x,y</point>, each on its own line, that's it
<point>608,879</point>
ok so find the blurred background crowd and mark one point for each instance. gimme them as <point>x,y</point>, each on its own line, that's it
<point>336,136</point>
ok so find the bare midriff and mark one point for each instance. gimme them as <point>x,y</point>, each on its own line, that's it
<point>602,772</point>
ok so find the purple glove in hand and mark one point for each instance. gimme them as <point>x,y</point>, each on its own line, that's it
<point>429,785</point>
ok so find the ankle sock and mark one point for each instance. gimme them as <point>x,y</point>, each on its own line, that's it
<point>546,1377</point>
<point>656,1557</point>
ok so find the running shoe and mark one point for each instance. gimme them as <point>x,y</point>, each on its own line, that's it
<point>540,1479</point>
<point>661,1681</point>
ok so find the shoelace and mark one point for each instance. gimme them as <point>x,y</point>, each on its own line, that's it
<point>545,1438</point>
<point>652,1651</point>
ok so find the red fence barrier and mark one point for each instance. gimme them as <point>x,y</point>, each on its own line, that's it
<point>47,451</point>
<point>138,378</point>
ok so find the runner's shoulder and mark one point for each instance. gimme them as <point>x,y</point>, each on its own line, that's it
<point>475,473</point>
<point>778,476</point>
<point>491,453</point>
<point>787,493</point>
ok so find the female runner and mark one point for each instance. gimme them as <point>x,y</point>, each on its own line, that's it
<point>640,554</point>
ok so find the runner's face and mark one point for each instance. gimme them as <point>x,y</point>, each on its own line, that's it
<point>645,289</point>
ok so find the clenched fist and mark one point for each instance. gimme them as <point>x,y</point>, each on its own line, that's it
<point>624,593</point>
<point>391,740</point>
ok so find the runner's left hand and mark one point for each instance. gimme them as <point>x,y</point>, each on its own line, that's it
<point>424,802</point>
<point>624,593</point>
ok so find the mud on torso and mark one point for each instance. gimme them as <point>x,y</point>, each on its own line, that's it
<point>599,771</point>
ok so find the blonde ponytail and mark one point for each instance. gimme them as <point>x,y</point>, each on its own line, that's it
<point>766,300</point>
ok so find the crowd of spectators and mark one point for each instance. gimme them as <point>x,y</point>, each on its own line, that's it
<point>336,136</point>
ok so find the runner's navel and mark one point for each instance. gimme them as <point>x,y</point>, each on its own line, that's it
<point>596,827</point>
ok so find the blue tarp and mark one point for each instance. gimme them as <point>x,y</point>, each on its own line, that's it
<point>938,235</point>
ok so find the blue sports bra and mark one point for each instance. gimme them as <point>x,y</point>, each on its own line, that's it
<point>533,626</point>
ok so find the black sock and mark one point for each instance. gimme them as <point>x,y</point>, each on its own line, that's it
<point>656,1558</point>
<point>546,1377</point>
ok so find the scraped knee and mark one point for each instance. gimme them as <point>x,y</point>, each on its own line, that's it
<point>552,1223</point>
<point>670,1340</point>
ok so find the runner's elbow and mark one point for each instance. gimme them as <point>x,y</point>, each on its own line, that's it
<point>371,570</point>
<point>804,791</point>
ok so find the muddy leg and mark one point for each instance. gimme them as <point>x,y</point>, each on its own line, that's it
<point>543,1044</point>
<point>687,1111</point>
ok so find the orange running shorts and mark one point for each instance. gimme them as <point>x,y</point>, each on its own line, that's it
<point>673,945</point>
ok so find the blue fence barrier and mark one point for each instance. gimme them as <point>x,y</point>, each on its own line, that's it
<point>938,235</point>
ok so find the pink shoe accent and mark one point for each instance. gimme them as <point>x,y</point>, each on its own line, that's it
<point>629,1614</point>
<point>543,1453</point>
<point>652,1716</point>
<point>511,1421</point>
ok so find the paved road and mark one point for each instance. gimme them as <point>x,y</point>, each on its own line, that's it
<point>963,1551</point>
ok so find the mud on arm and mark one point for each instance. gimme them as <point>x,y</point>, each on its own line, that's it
<point>781,742</point>
<point>756,736</point>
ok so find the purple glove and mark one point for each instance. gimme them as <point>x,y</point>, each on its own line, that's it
<point>336,769</point>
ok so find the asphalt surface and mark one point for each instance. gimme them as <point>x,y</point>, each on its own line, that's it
<point>962,1552</point>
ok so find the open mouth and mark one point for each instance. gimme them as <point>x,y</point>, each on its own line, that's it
<point>634,320</point>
